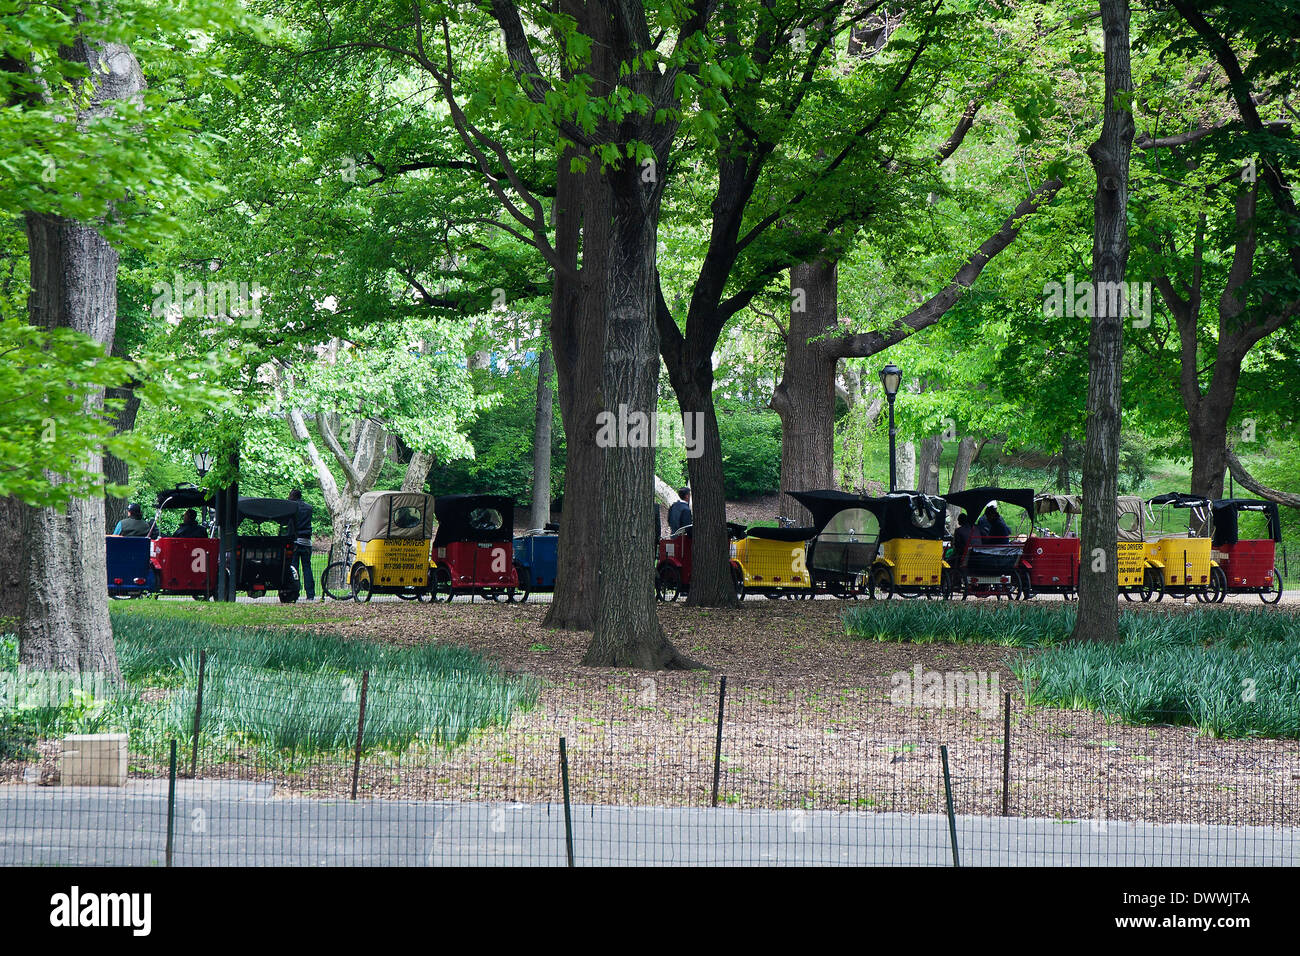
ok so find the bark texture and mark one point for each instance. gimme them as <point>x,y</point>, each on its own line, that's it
<point>1098,617</point>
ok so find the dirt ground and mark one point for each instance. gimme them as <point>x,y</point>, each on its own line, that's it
<point>808,723</point>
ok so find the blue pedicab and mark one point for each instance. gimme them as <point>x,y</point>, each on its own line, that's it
<point>537,558</point>
<point>130,571</point>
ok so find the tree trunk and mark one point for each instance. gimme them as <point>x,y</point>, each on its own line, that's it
<point>65,622</point>
<point>711,582</point>
<point>116,471</point>
<point>540,513</point>
<point>961,467</point>
<point>805,397</point>
<point>906,466</point>
<point>13,563</point>
<point>627,631</point>
<point>927,472</point>
<point>1098,617</point>
<point>417,471</point>
<point>581,213</point>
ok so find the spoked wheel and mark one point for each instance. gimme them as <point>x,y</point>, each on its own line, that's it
<point>883,578</point>
<point>362,585</point>
<point>945,584</point>
<point>738,580</point>
<point>429,592</point>
<point>668,583</point>
<point>1016,590</point>
<point>334,581</point>
<point>1274,594</point>
<point>442,586</point>
<point>525,582</point>
<point>1153,585</point>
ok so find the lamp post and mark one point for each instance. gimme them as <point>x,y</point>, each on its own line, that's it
<point>203,465</point>
<point>890,377</point>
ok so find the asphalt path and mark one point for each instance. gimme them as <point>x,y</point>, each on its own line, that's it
<point>220,823</point>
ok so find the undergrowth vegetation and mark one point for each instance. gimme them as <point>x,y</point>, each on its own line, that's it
<point>1229,672</point>
<point>282,694</point>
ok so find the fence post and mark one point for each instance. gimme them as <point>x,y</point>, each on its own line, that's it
<point>1006,750</point>
<point>198,715</point>
<point>568,813</point>
<point>717,747</point>
<point>952,819</point>
<point>361,730</point>
<point>171,801</point>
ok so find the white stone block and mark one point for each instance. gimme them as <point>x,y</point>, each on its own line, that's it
<point>94,760</point>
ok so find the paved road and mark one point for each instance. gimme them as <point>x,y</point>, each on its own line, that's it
<point>241,824</point>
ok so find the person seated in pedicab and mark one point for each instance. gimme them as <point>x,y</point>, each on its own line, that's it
<point>190,527</point>
<point>679,515</point>
<point>964,538</point>
<point>993,530</point>
<point>134,525</point>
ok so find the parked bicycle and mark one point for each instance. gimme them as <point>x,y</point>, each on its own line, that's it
<point>335,580</point>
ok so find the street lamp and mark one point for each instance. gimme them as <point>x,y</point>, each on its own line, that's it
<point>890,377</point>
<point>203,462</point>
<point>203,465</point>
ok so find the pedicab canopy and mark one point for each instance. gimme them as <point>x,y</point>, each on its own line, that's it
<point>474,518</point>
<point>839,508</point>
<point>1130,518</point>
<point>901,514</point>
<point>267,509</point>
<point>1225,511</point>
<point>185,496</point>
<point>973,501</point>
<point>396,514</point>
<point>1066,504</point>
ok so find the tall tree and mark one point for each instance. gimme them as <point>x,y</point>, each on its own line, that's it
<point>1098,618</point>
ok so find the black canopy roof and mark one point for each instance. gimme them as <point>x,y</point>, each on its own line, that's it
<point>825,505</point>
<point>454,514</point>
<point>782,534</point>
<point>267,509</point>
<point>902,514</point>
<point>973,500</point>
<point>1225,512</point>
<point>185,496</point>
<point>1180,500</point>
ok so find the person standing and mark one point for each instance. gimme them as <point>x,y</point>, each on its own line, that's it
<point>302,544</point>
<point>679,515</point>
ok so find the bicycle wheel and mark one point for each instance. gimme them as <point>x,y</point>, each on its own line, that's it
<point>334,582</point>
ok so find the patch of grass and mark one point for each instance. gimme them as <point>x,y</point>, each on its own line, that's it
<point>1229,672</point>
<point>282,693</point>
<point>267,612</point>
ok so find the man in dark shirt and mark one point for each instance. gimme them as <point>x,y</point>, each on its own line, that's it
<point>302,544</point>
<point>679,515</point>
<point>190,527</point>
<point>992,528</point>
<point>134,525</point>
<point>963,538</point>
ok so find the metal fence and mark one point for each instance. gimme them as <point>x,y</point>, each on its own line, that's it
<point>312,768</point>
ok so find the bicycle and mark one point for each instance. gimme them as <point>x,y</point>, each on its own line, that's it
<point>336,579</point>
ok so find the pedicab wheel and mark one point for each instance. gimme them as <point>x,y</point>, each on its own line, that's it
<point>945,584</point>
<point>1153,585</point>
<point>668,584</point>
<point>1272,594</point>
<point>884,582</point>
<point>289,597</point>
<point>362,587</point>
<point>738,580</point>
<point>442,586</point>
<point>334,581</point>
<point>525,582</point>
<point>427,593</point>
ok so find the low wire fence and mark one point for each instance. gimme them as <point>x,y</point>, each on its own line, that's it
<point>234,768</point>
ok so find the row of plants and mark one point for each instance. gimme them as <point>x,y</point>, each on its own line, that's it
<point>271,695</point>
<point>1226,672</point>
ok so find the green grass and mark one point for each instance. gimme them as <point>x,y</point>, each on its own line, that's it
<point>1229,672</point>
<point>279,693</point>
<point>267,611</point>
